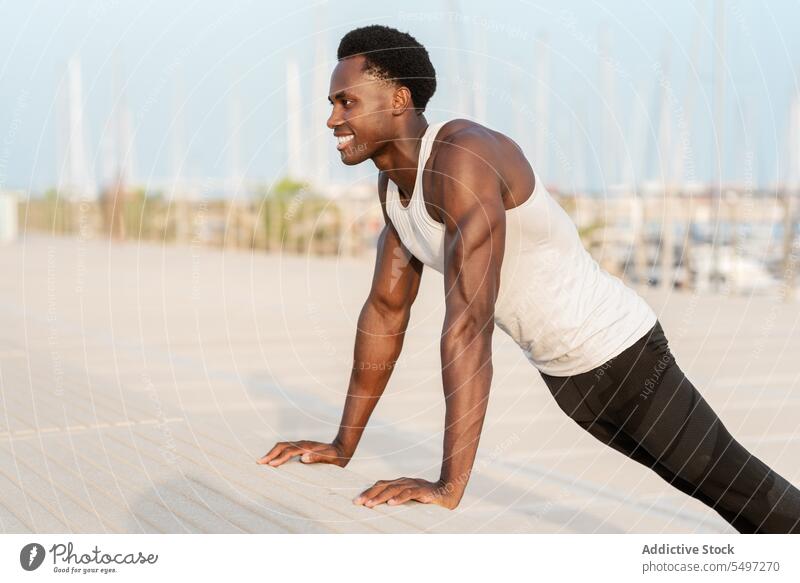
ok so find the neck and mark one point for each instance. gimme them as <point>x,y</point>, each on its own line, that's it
<point>400,157</point>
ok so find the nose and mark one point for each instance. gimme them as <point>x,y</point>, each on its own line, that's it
<point>333,119</point>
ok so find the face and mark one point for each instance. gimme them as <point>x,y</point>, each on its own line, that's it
<point>364,111</point>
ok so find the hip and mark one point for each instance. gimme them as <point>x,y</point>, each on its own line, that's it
<point>629,377</point>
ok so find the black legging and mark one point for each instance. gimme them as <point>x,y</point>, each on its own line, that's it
<point>641,404</point>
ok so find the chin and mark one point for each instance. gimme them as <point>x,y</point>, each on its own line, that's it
<point>353,159</point>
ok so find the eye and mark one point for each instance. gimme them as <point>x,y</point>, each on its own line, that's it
<point>347,102</point>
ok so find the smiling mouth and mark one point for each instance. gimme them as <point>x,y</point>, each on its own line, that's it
<point>343,141</point>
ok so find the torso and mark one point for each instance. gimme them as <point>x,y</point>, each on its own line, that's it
<point>566,313</point>
<point>514,172</point>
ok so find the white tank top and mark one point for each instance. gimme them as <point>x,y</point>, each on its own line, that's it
<point>566,313</point>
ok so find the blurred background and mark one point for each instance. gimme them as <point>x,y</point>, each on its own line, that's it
<point>670,132</point>
<point>185,258</point>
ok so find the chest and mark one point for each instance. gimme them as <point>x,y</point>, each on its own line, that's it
<point>430,199</point>
<point>419,232</point>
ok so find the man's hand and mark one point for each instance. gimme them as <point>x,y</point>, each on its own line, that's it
<point>395,492</point>
<point>310,452</point>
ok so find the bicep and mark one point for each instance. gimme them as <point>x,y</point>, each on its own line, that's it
<point>475,225</point>
<point>398,273</point>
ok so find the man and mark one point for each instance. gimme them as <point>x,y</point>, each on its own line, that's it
<point>463,199</point>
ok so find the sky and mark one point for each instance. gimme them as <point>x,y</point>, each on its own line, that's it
<point>601,121</point>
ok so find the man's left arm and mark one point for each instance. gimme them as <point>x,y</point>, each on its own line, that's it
<point>475,229</point>
<point>474,244</point>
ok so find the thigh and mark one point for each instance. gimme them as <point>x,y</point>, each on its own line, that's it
<point>663,412</point>
<point>678,427</point>
<point>571,395</point>
<point>680,430</point>
<point>647,396</point>
<point>570,398</point>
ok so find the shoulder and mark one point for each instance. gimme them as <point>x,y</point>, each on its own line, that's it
<point>465,175</point>
<point>464,141</point>
<point>466,153</point>
<point>467,156</point>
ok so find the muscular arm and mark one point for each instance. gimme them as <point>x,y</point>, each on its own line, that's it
<point>474,243</point>
<point>379,337</point>
<point>474,218</point>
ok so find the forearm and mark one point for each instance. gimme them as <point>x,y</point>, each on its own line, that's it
<point>467,377</point>
<point>379,341</point>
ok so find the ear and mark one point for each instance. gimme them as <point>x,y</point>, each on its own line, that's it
<point>401,100</point>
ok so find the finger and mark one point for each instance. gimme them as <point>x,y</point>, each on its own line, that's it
<point>322,455</point>
<point>372,492</point>
<point>425,495</point>
<point>379,486</point>
<point>387,493</point>
<point>286,455</point>
<point>276,449</point>
<point>402,496</point>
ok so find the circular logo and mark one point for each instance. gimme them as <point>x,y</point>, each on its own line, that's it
<point>31,556</point>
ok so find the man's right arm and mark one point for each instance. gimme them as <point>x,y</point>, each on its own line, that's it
<point>380,334</point>
<point>379,340</point>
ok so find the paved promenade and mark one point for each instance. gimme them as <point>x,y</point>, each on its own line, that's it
<point>139,383</point>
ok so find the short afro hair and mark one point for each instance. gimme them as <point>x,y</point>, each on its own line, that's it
<point>394,56</point>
